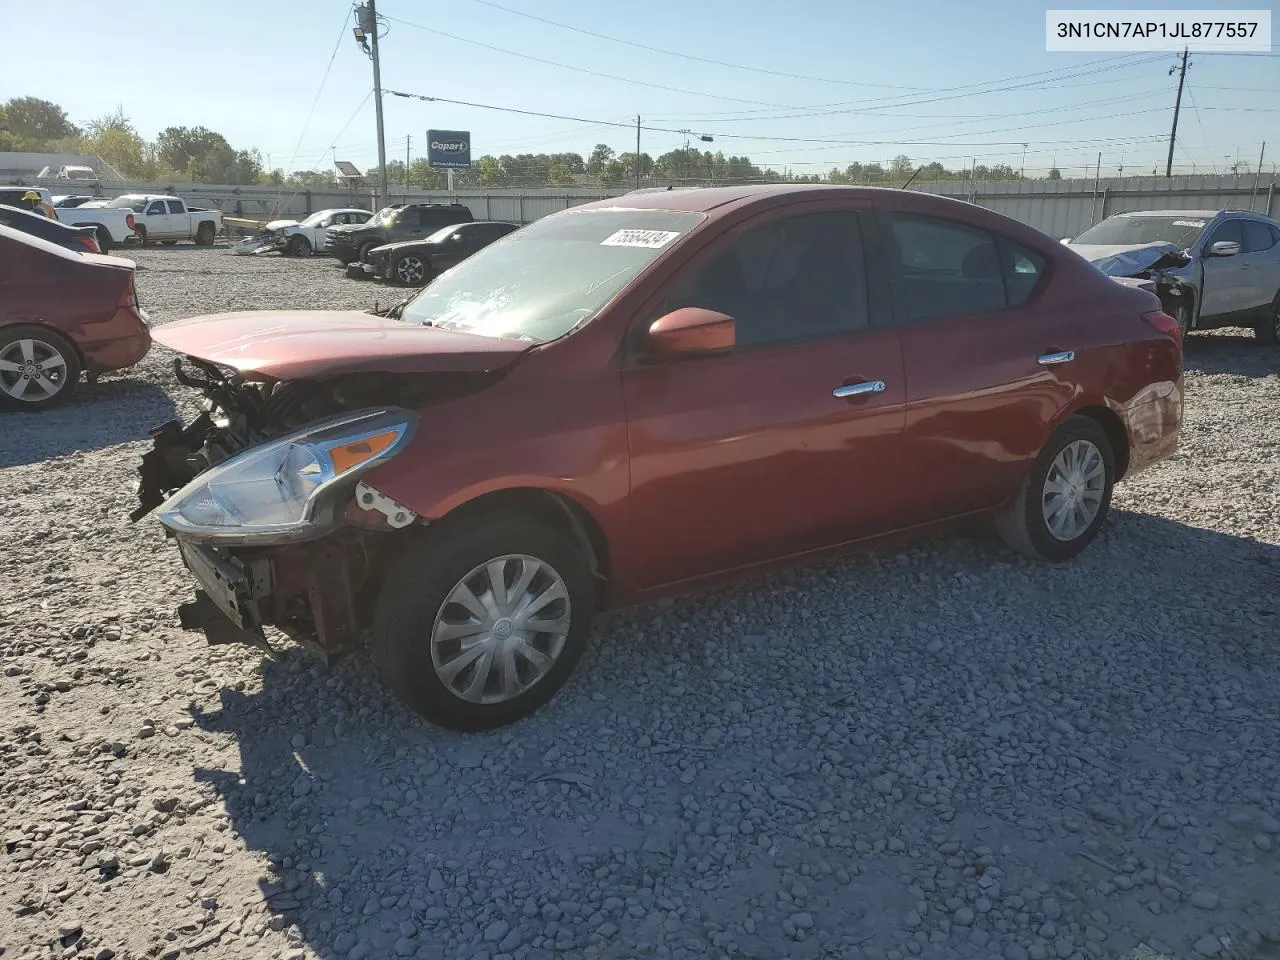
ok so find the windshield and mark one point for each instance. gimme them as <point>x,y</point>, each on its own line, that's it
<point>383,216</point>
<point>132,203</point>
<point>315,219</point>
<point>542,281</point>
<point>1181,231</point>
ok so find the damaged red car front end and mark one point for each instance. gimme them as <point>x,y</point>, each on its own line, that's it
<point>263,490</point>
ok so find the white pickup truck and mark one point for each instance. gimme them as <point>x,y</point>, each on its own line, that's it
<point>166,219</point>
<point>114,227</point>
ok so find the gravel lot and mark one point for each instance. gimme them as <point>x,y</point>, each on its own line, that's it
<point>940,752</point>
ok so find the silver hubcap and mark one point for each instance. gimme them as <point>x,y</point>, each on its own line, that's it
<point>410,270</point>
<point>1073,490</point>
<point>31,370</point>
<point>501,629</point>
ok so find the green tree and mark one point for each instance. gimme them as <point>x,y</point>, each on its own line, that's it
<point>601,154</point>
<point>1055,174</point>
<point>900,165</point>
<point>34,124</point>
<point>113,138</point>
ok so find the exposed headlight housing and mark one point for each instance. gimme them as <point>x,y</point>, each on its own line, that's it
<point>285,490</point>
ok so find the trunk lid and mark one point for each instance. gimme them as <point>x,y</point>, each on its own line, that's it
<point>308,344</point>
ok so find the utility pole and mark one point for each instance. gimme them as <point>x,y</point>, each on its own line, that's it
<point>1257,175</point>
<point>366,33</point>
<point>637,151</point>
<point>1177,106</point>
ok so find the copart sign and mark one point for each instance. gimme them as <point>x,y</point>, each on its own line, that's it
<point>449,148</point>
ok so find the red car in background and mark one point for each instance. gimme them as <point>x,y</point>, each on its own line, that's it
<point>639,395</point>
<point>62,313</point>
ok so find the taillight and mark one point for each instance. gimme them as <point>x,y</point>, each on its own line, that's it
<point>130,222</point>
<point>1164,323</point>
<point>128,297</point>
<point>90,244</point>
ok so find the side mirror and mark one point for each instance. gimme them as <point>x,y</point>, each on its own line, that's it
<point>691,331</point>
<point>1066,240</point>
<point>1224,248</point>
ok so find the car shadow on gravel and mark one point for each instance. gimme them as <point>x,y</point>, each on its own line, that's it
<point>114,410</point>
<point>385,832</point>
<point>1232,351</point>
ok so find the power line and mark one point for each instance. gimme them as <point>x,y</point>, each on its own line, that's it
<point>694,57</point>
<point>651,129</point>
<point>585,70</point>
<point>319,90</point>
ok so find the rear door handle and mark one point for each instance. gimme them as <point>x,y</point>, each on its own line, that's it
<point>1062,356</point>
<point>858,389</point>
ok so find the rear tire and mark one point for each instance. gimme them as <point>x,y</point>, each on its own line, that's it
<point>411,270</point>
<point>421,630</point>
<point>1065,497</point>
<point>45,357</point>
<point>104,239</point>
<point>205,234</point>
<point>1269,333</point>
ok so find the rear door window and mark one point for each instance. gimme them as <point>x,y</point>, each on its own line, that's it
<point>175,206</point>
<point>945,267</point>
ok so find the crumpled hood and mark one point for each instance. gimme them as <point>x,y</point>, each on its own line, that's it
<point>1124,259</point>
<point>307,344</point>
<point>280,224</point>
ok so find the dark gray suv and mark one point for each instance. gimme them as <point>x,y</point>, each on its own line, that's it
<point>400,221</point>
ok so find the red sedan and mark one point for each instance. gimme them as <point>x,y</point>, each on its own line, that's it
<point>62,313</point>
<point>643,394</point>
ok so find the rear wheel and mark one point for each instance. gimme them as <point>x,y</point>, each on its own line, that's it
<point>39,368</point>
<point>1269,332</point>
<point>480,623</point>
<point>104,239</point>
<point>204,234</point>
<point>299,246</point>
<point>1066,496</point>
<point>141,232</point>
<point>410,270</point>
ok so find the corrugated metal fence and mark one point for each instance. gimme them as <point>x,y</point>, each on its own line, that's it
<point>1060,208</point>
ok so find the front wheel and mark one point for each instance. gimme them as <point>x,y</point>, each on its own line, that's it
<point>39,368</point>
<point>299,246</point>
<point>141,233</point>
<point>1066,496</point>
<point>480,623</point>
<point>363,255</point>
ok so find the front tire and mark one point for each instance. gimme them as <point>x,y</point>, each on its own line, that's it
<point>1065,497</point>
<point>481,622</point>
<point>363,255</point>
<point>141,232</point>
<point>299,246</point>
<point>39,368</point>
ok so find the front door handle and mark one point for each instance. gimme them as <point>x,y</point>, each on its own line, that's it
<point>858,389</point>
<point>1061,356</point>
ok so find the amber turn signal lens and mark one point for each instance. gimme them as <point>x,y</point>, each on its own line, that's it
<point>350,455</point>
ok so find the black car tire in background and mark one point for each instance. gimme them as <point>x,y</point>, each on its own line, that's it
<point>356,271</point>
<point>1268,332</point>
<point>363,255</point>
<point>410,270</point>
<point>205,234</point>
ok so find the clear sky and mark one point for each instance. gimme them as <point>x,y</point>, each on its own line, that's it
<point>253,70</point>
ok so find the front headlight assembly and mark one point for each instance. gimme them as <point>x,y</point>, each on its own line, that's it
<point>286,489</point>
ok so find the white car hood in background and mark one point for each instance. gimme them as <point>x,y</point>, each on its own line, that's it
<point>280,224</point>
<point>1122,260</point>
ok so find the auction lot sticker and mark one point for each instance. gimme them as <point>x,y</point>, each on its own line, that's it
<point>1120,31</point>
<point>652,239</point>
